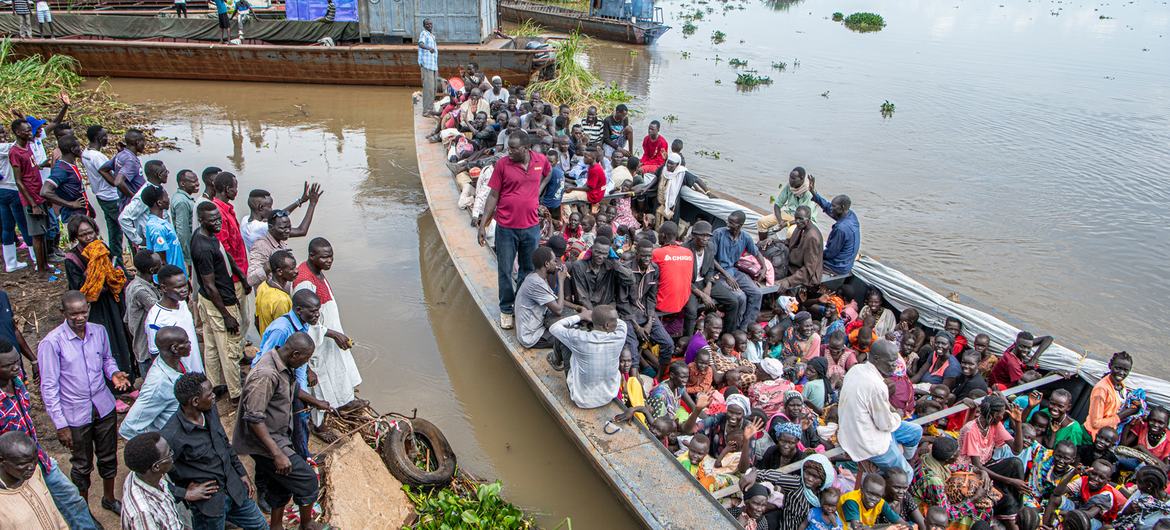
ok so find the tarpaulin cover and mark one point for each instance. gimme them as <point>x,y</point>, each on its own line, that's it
<point>144,27</point>
<point>902,291</point>
<point>347,10</point>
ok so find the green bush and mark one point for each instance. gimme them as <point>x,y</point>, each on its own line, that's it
<point>838,16</point>
<point>864,22</point>
<point>444,509</point>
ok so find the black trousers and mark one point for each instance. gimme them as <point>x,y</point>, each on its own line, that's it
<point>300,484</point>
<point>99,438</point>
<point>725,300</point>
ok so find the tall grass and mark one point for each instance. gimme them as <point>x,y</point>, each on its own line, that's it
<point>33,83</point>
<point>574,84</point>
<point>528,28</point>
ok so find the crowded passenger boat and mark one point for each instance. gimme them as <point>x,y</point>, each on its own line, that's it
<point>765,354</point>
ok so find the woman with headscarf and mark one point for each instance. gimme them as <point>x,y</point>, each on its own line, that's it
<point>840,356</point>
<point>754,513</point>
<point>718,426</point>
<point>933,485</point>
<point>669,187</point>
<point>794,411</point>
<point>788,448</point>
<point>818,391</point>
<point>768,395</point>
<point>89,269</point>
<point>801,492</point>
<point>801,340</point>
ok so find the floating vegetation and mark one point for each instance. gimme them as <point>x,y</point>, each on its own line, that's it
<point>887,109</point>
<point>483,508</point>
<point>685,55</point>
<point>713,155</point>
<point>751,79</point>
<point>718,37</point>
<point>689,28</point>
<point>528,28</point>
<point>736,62</point>
<point>718,82</point>
<point>825,94</point>
<point>670,118</point>
<point>838,16</point>
<point>865,22</point>
<point>633,53</point>
<point>1103,17</point>
<point>779,65</point>
<point>694,15</point>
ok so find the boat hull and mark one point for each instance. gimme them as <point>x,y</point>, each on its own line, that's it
<point>647,478</point>
<point>601,28</point>
<point>384,65</point>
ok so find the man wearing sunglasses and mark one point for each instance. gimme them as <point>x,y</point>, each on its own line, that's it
<point>277,230</point>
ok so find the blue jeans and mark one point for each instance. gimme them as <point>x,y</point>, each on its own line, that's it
<point>73,508</point>
<point>903,445</point>
<point>247,516</point>
<point>53,235</point>
<point>512,245</point>
<point>752,297</point>
<point>11,217</point>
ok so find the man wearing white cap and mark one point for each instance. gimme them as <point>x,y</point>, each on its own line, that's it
<point>497,93</point>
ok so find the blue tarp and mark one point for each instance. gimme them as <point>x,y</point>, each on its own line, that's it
<point>347,10</point>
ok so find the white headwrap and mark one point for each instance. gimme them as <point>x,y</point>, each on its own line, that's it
<point>774,367</point>
<point>742,401</point>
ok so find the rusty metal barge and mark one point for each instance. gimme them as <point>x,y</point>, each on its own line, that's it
<point>632,23</point>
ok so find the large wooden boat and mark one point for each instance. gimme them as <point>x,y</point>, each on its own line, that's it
<point>634,30</point>
<point>652,483</point>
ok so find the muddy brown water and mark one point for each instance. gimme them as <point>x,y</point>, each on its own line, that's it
<point>421,341</point>
<point>1025,166</point>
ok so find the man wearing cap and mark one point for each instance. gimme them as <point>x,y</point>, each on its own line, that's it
<point>497,93</point>
<point>708,290</point>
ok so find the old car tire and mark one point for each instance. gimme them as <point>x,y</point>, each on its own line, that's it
<point>396,456</point>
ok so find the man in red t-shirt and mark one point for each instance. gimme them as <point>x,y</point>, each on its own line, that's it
<point>516,182</point>
<point>677,269</point>
<point>27,177</point>
<point>654,149</point>
<point>594,189</point>
<point>1018,358</point>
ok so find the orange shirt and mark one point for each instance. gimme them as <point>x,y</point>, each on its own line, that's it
<point>1104,404</point>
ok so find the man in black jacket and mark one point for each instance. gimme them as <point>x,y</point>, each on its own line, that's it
<point>710,290</point>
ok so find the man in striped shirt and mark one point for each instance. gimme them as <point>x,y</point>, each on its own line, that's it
<point>21,9</point>
<point>147,501</point>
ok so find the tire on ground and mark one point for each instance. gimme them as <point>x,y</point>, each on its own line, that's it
<point>401,465</point>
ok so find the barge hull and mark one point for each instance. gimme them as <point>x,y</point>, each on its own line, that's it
<point>383,65</point>
<point>617,31</point>
<point>649,480</point>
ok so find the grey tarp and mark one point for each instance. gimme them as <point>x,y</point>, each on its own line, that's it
<point>902,291</point>
<point>196,28</point>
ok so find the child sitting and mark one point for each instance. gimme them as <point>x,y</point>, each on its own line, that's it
<point>824,517</point>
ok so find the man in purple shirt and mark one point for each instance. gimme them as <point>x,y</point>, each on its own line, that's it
<point>75,362</point>
<point>516,182</point>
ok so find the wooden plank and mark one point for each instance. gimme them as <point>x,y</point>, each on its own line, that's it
<point>1019,389</point>
<point>647,478</point>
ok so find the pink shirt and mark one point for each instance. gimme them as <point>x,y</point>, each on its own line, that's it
<point>972,441</point>
<point>519,190</point>
<point>654,152</point>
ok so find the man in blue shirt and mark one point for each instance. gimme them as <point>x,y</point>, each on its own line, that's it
<point>428,63</point>
<point>730,242</point>
<point>305,312</point>
<point>845,238</point>
<point>156,401</point>
<point>225,22</point>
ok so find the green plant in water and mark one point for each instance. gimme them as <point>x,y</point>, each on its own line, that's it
<point>838,16</point>
<point>779,65</point>
<point>887,109</point>
<point>864,22</point>
<point>440,509</point>
<point>633,53</point>
<point>751,79</point>
<point>718,37</point>
<point>685,55</point>
<point>574,85</point>
<point>670,118</point>
<point>32,84</point>
<point>689,28</point>
<point>713,155</point>
<point>736,62</point>
<point>528,28</point>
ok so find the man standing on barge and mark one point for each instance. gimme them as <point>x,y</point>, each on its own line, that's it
<point>428,63</point>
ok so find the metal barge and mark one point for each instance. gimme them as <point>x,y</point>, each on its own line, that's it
<point>643,26</point>
<point>636,466</point>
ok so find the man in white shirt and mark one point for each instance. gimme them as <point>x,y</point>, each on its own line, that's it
<point>497,93</point>
<point>593,364</point>
<point>870,428</point>
<point>171,310</point>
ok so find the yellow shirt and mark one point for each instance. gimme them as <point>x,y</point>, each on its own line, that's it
<point>856,510</point>
<point>29,507</point>
<point>270,304</point>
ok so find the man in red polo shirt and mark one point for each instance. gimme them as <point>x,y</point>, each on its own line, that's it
<point>676,270</point>
<point>515,197</point>
<point>226,188</point>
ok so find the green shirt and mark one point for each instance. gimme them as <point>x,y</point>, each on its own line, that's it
<point>788,202</point>
<point>183,217</point>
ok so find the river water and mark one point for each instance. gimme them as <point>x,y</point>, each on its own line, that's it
<point>1026,166</point>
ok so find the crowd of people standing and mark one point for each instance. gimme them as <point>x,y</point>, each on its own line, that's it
<point>156,315</point>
